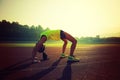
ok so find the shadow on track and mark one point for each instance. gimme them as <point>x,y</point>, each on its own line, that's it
<point>67,72</point>
<point>44,72</point>
<point>15,68</point>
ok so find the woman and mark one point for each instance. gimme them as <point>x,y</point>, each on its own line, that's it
<point>57,35</point>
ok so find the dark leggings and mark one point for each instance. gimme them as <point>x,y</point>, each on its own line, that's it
<point>62,35</point>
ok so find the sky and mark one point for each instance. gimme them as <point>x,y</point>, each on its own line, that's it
<point>77,17</point>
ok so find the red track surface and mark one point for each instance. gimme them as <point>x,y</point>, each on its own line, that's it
<point>96,63</point>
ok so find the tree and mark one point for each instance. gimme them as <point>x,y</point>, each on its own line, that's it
<point>17,32</point>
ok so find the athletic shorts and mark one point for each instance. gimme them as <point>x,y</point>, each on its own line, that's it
<point>62,35</point>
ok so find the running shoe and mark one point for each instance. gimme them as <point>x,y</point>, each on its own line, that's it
<point>63,55</point>
<point>72,58</point>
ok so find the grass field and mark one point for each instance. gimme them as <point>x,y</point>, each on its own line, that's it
<point>49,44</point>
<point>17,44</point>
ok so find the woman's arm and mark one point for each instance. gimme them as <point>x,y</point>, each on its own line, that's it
<point>38,46</point>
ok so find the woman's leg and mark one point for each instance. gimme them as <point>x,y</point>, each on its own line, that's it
<point>74,42</point>
<point>64,45</point>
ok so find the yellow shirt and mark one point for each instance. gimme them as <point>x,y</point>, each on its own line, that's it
<point>52,34</point>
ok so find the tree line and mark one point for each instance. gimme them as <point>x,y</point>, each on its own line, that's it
<point>98,40</point>
<point>15,32</point>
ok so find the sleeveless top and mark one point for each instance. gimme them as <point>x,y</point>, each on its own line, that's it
<point>52,34</point>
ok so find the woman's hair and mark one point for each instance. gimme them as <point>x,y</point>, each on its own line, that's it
<point>42,36</point>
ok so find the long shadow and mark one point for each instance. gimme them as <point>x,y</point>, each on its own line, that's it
<point>66,75</point>
<point>41,74</point>
<point>67,72</point>
<point>14,65</point>
<point>15,68</point>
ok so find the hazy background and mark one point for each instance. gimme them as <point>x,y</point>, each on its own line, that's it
<point>78,17</point>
